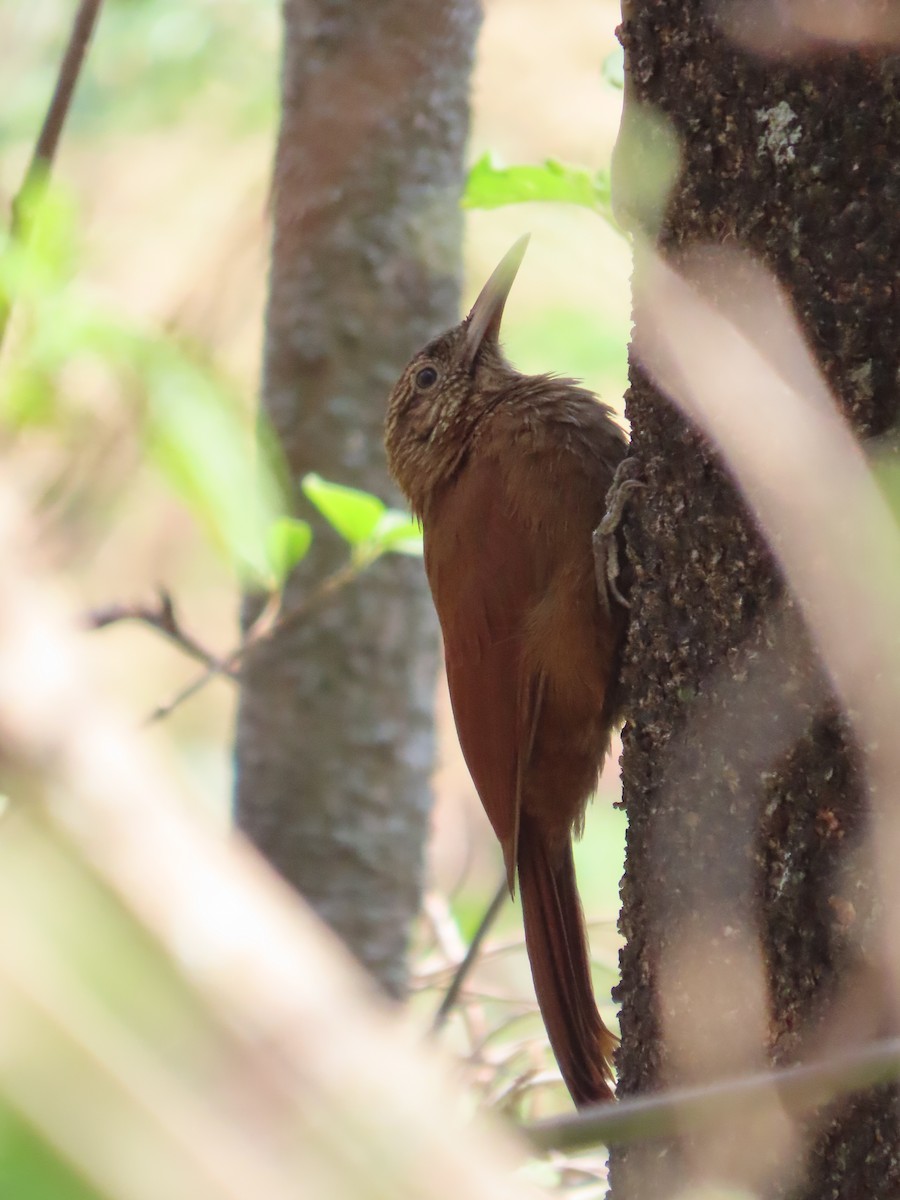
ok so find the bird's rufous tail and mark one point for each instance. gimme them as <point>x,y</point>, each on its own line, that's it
<point>556,939</point>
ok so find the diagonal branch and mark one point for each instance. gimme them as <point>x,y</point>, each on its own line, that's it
<point>798,1089</point>
<point>51,131</point>
<point>272,622</point>
<point>162,618</point>
<point>69,70</point>
<point>468,962</point>
<point>262,633</point>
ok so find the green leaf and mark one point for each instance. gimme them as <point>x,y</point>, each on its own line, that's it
<point>398,533</point>
<point>490,186</point>
<point>28,395</point>
<point>32,1168</point>
<point>198,439</point>
<point>198,433</point>
<point>352,513</point>
<point>287,542</point>
<point>363,520</point>
<point>44,254</point>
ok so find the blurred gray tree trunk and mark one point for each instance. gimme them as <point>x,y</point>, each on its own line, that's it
<point>741,785</point>
<point>334,736</point>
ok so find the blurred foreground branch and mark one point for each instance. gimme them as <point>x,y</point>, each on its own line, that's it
<point>308,1086</point>
<point>813,479</point>
<point>740,842</point>
<point>798,1089</point>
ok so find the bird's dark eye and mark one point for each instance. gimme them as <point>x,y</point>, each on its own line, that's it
<point>426,378</point>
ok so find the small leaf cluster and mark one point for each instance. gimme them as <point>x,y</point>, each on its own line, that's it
<point>366,523</point>
<point>491,186</point>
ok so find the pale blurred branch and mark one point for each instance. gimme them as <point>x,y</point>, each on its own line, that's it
<point>309,1079</point>
<point>719,338</point>
<point>810,488</point>
<point>48,139</point>
<point>799,1090</point>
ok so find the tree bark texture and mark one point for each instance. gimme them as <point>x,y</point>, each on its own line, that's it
<point>743,790</point>
<point>334,736</point>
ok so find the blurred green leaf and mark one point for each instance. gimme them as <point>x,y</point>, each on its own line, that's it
<point>43,253</point>
<point>29,395</point>
<point>197,432</point>
<point>206,58</point>
<point>363,520</point>
<point>58,330</point>
<point>399,533</point>
<point>490,186</point>
<point>30,1168</point>
<point>287,542</point>
<point>352,513</point>
<point>198,439</point>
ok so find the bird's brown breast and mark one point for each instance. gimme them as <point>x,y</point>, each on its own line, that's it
<point>529,651</point>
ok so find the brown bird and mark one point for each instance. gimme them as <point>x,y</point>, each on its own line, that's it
<point>508,474</point>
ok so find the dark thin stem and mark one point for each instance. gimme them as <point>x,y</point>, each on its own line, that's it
<point>796,1089</point>
<point>468,962</point>
<point>69,70</point>
<point>260,636</point>
<point>164,620</point>
<point>51,131</point>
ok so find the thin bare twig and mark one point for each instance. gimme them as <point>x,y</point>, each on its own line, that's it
<point>262,633</point>
<point>51,131</point>
<point>164,620</point>
<point>450,945</point>
<point>69,70</point>
<point>462,971</point>
<point>797,1089</point>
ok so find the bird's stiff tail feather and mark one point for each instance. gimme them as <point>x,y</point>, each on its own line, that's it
<point>556,939</point>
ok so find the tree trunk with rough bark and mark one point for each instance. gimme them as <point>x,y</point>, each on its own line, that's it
<point>747,899</point>
<point>334,739</point>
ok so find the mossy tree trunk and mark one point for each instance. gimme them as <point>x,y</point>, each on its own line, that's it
<point>744,794</point>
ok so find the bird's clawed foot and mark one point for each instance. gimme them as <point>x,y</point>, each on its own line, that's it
<point>605,542</point>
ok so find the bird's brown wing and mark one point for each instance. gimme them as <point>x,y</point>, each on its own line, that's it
<point>480,561</point>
